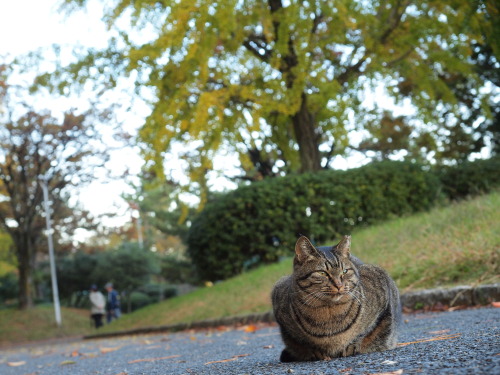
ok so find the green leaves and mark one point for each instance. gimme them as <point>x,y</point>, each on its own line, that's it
<point>232,76</point>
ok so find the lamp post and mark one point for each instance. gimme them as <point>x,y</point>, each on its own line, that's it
<point>55,290</point>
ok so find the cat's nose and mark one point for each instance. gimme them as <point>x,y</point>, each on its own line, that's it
<point>337,283</point>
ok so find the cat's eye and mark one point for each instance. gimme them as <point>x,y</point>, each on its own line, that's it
<point>322,273</point>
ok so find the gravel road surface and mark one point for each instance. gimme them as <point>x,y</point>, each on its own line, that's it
<point>456,342</point>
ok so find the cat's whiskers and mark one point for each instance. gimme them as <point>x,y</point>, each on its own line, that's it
<point>354,297</point>
<point>310,297</point>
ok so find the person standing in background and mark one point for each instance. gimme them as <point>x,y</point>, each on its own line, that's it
<point>113,303</point>
<point>97,305</point>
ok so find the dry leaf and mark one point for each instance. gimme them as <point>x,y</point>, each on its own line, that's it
<point>495,304</point>
<point>233,358</point>
<point>268,346</point>
<point>192,338</point>
<point>16,364</point>
<point>108,350</point>
<point>153,347</point>
<point>63,363</point>
<point>90,355</point>
<point>439,332</point>
<point>123,373</point>
<point>397,372</point>
<point>445,337</point>
<point>388,362</point>
<point>153,359</point>
<point>250,328</point>
<point>346,369</point>
<point>75,353</point>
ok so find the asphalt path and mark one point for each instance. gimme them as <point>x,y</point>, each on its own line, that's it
<point>452,342</point>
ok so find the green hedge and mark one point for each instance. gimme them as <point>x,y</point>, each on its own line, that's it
<point>259,223</point>
<point>470,178</point>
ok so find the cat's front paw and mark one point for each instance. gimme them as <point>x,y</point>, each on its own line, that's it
<point>351,350</point>
<point>287,357</point>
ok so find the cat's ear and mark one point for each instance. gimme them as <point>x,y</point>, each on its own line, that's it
<point>304,250</point>
<point>344,246</point>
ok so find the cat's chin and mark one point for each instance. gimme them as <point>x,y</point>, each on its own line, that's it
<point>338,297</point>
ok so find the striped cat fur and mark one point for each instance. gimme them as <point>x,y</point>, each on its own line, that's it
<point>333,305</point>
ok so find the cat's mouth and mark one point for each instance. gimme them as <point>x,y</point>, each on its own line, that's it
<point>337,294</point>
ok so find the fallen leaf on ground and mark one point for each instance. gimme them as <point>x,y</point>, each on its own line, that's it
<point>233,358</point>
<point>397,372</point>
<point>16,364</point>
<point>495,304</point>
<point>122,373</point>
<point>75,353</point>
<point>346,369</point>
<point>387,362</point>
<point>64,363</point>
<point>153,359</point>
<point>109,350</point>
<point>250,328</point>
<point>153,347</point>
<point>268,346</point>
<point>90,355</point>
<point>439,332</point>
<point>445,337</point>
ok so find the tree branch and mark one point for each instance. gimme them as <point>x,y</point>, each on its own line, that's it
<point>255,44</point>
<point>400,58</point>
<point>352,70</point>
<point>395,20</point>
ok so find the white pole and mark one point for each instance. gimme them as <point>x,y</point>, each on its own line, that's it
<point>55,289</point>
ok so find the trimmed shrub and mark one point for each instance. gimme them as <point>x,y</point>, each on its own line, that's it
<point>139,300</point>
<point>470,178</point>
<point>259,223</point>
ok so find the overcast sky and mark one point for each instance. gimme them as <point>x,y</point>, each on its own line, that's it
<point>26,25</point>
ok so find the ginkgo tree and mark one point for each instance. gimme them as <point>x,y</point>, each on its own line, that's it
<point>282,82</point>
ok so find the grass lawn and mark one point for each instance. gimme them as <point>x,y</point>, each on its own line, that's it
<point>39,323</point>
<point>452,245</point>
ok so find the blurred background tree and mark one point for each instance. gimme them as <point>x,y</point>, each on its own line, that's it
<point>162,212</point>
<point>281,83</point>
<point>33,145</point>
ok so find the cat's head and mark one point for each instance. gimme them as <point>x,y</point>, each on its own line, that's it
<point>327,275</point>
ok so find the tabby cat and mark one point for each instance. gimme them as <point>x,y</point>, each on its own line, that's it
<point>333,305</point>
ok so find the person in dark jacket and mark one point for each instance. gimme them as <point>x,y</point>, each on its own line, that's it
<point>113,303</point>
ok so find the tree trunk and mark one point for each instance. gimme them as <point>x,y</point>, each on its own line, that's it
<point>306,136</point>
<point>25,278</point>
